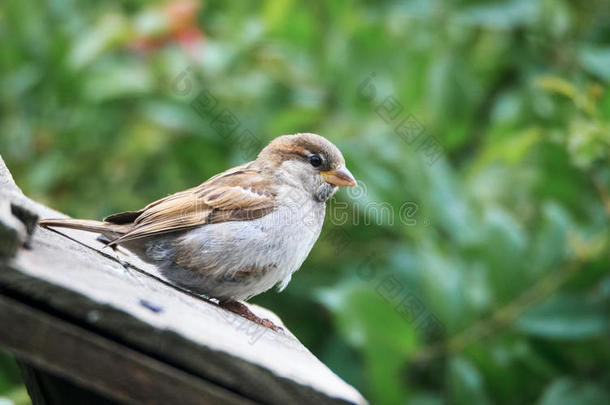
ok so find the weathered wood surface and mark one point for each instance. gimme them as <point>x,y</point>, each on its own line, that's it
<point>110,302</point>
<point>106,366</point>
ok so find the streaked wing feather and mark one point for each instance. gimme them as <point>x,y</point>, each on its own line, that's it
<point>237,194</point>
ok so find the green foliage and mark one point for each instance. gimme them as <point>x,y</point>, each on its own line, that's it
<point>507,239</point>
<point>11,390</point>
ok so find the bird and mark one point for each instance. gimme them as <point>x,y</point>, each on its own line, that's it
<point>239,233</point>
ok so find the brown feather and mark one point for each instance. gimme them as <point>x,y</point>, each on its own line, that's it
<point>242,193</point>
<point>84,225</point>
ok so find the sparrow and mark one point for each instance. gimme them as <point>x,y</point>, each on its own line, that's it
<point>242,231</point>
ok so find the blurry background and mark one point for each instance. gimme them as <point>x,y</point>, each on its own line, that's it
<point>475,271</point>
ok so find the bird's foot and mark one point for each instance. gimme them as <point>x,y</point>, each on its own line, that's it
<point>242,310</point>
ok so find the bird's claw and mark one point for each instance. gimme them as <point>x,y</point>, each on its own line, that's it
<point>242,310</point>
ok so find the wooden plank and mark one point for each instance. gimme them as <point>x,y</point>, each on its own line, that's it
<point>101,364</point>
<point>33,383</point>
<point>46,388</point>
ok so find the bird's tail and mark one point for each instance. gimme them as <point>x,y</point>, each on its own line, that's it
<point>85,225</point>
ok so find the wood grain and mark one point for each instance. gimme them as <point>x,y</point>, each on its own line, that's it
<point>98,363</point>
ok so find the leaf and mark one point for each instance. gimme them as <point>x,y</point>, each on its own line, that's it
<point>567,391</point>
<point>370,322</point>
<point>587,143</point>
<point>504,15</point>
<point>566,317</point>
<point>110,30</point>
<point>554,84</point>
<point>596,61</point>
<point>510,151</point>
<point>466,383</point>
<point>549,241</point>
<point>116,81</point>
<point>358,307</point>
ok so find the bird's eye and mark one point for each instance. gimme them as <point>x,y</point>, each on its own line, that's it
<point>315,160</point>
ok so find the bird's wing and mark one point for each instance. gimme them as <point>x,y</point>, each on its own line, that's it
<point>242,193</point>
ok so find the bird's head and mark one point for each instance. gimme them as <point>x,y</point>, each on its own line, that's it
<point>308,161</point>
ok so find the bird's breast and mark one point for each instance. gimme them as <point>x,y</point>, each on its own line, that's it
<point>240,259</point>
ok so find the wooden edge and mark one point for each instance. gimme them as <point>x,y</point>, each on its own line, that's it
<point>247,379</point>
<point>32,382</point>
<point>99,364</point>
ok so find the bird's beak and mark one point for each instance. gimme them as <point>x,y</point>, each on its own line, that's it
<point>339,177</point>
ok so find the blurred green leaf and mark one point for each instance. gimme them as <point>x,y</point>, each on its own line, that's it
<point>503,15</point>
<point>108,31</point>
<point>466,383</point>
<point>117,81</point>
<point>510,151</point>
<point>597,61</point>
<point>370,322</point>
<point>567,317</point>
<point>568,391</point>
